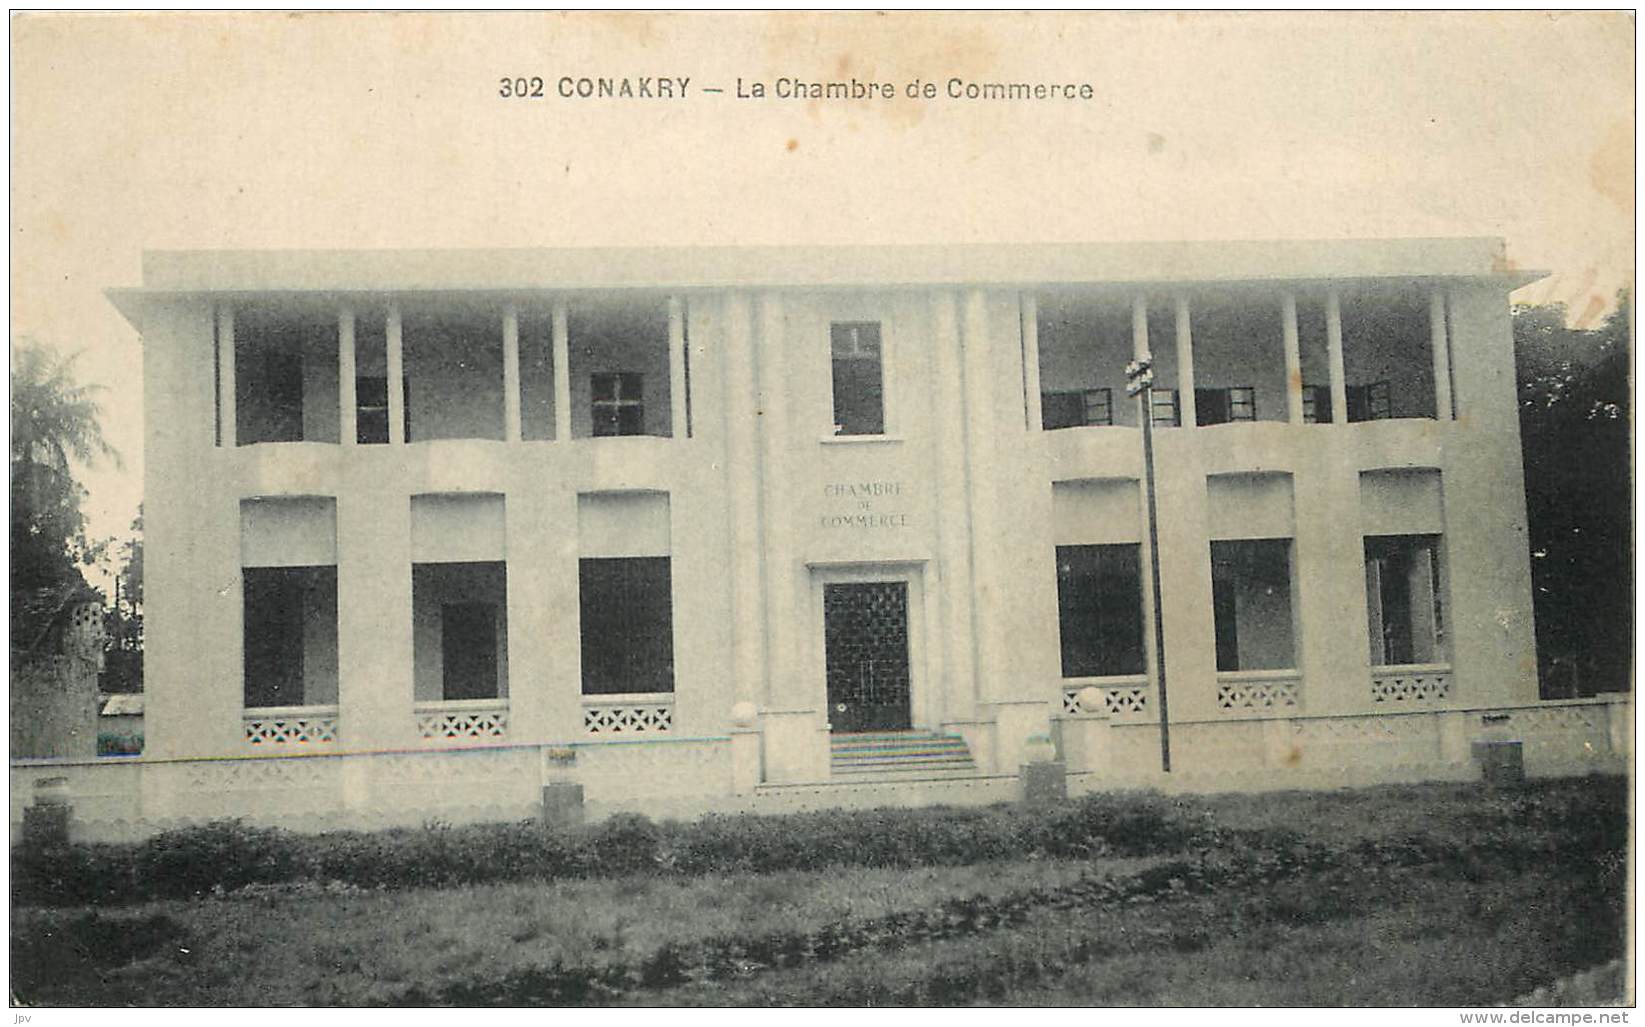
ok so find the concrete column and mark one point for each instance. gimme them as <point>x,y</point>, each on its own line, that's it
<point>677,399</point>
<point>1492,625</point>
<point>562,373</point>
<point>1139,327</point>
<point>396,378</point>
<point>534,634</point>
<point>1328,565</point>
<point>742,482</point>
<point>1293,358</point>
<point>953,576</point>
<point>374,614</point>
<point>225,377</point>
<point>511,373</point>
<point>1186,413</point>
<point>1333,352</point>
<point>782,606</point>
<point>1031,360</point>
<point>1139,351</point>
<point>348,406</point>
<point>1441,344</point>
<point>979,409</point>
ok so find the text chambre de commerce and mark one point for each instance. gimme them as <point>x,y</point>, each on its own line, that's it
<point>672,87</point>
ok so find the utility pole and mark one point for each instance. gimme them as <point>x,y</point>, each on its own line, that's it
<point>1140,383</point>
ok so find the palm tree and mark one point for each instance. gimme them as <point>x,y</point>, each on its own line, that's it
<point>54,420</point>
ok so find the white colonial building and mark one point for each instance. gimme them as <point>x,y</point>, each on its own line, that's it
<point>760,528</point>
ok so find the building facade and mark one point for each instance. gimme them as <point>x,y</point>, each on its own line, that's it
<point>721,529</point>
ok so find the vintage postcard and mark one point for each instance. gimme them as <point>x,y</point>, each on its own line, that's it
<point>819,509</point>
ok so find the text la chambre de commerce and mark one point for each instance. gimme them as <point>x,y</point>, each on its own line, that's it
<point>680,87</point>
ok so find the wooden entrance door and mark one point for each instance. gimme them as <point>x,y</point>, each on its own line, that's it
<point>865,635</point>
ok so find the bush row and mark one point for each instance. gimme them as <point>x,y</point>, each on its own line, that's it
<point>228,855</point>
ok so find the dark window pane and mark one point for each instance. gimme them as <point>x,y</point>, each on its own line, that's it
<point>1061,410</point>
<point>371,410</point>
<point>1166,413</point>
<point>468,650</point>
<point>859,386</point>
<point>1098,407</point>
<point>617,403</point>
<point>1251,604</point>
<point>1211,406</point>
<point>1099,610</point>
<point>277,602</point>
<point>1316,404</point>
<point>627,625</point>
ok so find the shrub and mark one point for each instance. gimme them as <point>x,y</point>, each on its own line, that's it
<point>224,854</point>
<point>229,855</point>
<point>624,844</point>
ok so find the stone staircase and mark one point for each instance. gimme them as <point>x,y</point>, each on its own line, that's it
<point>901,754</point>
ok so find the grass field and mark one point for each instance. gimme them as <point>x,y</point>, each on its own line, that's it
<point>1424,895</point>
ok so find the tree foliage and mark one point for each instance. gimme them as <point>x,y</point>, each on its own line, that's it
<point>54,425</point>
<point>1576,422</point>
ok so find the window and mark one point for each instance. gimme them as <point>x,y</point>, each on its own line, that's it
<point>1371,402</point>
<point>453,362</point>
<point>618,403</point>
<point>859,382</point>
<point>468,650</point>
<point>1251,604</point>
<point>1099,610</point>
<point>1075,409</point>
<point>1222,406</point>
<point>1316,404</point>
<point>285,370</point>
<point>1167,414</point>
<point>290,636</point>
<point>1404,594</point>
<point>627,624</point>
<point>459,624</point>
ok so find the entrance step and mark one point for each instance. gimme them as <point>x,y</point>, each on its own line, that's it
<point>901,752</point>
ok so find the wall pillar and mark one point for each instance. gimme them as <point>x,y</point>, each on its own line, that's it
<point>1030,307</point>
<point>561,335</point>
<point>511,373</point>
<point>951,584</point>
<point>979,415</point>
<point>1333,352</point>
<point>1492,627</point>
<point>1150,647</point>
<point>1333,633</point>
<point>1293,358</point>
<point>374,655</point>
<point>1187,415</point>
<point>348,405</point>
<point>226,414</point>
<point>783,600</point>
<point>534,634</point>
<point>1440,342</point>
<point>678,401</point>
<point>742,482</point>
<point>396,378</point>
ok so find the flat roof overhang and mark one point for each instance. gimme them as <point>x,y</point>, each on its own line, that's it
<point>170,274</point>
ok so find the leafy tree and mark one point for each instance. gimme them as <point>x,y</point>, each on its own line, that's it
<point>54,422</point>
<point>1576,421</point>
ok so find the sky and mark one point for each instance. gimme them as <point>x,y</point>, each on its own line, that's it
<point>315,131</point>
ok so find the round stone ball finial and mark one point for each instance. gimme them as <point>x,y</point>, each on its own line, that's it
<point>744,714</point>
<point>1091,700</point>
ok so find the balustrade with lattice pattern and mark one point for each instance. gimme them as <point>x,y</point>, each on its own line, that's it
<point>1122,697</point>
<point>649,713</point>
<point>279,726</point>
<point>462,720</point>
<point>1259,691</point>
<point>1412,685</point>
